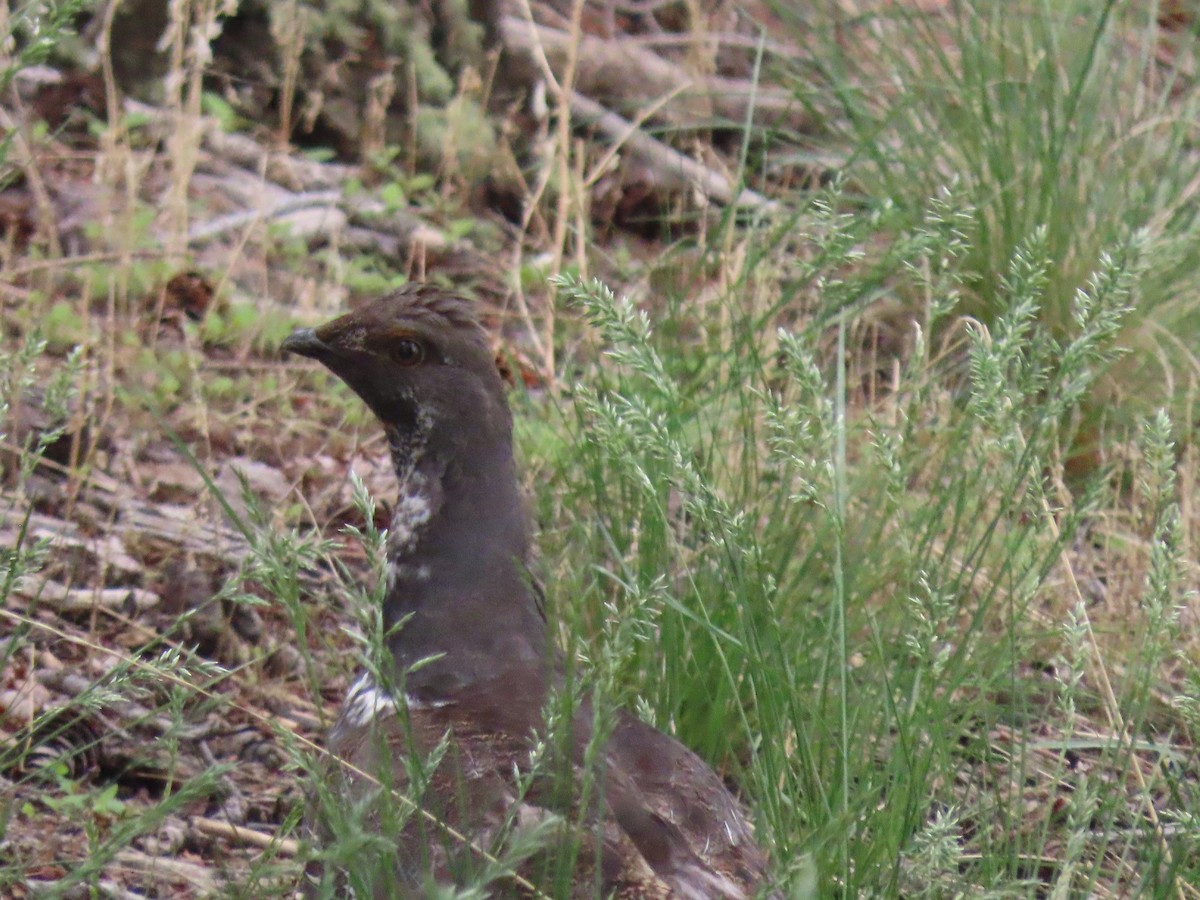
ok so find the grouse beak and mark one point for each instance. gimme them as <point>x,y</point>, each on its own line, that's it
<point>304,341</point>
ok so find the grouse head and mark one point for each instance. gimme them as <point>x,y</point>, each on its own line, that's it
<point>421,362</point>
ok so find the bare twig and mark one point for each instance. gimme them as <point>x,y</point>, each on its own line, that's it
<point>287,203</point>
<point>676,171</point>
<point>247,836</point>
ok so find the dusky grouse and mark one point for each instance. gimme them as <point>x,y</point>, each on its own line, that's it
<point>471,663</point>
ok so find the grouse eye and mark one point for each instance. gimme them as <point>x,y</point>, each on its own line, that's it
<point>407,352</point>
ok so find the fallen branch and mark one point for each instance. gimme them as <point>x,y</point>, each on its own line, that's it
<point>246,836</point>
<point>78,601</point>
<point>277,207</point>
<point>624,71</point>
<point>198,877</point>
<point>674,170</point>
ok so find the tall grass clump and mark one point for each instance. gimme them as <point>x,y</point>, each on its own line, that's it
<point>1075,117</point>
<point>850,605</point>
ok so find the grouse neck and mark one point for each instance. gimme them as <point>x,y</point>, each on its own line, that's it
<point>459,601</point>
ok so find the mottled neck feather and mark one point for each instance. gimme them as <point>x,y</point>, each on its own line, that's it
<point>457,551</point>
